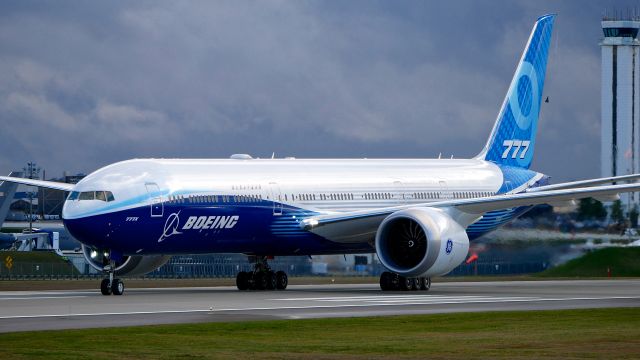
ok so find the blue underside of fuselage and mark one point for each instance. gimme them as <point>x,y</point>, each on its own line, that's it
<point>259,230</point>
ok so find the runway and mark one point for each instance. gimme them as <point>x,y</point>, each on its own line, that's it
<point>47,310</point>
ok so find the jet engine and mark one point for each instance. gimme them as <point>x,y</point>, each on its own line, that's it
<point>128,266</point>
<point>421,242</point>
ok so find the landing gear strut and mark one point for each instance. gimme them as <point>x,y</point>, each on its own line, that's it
<point>390,281</point>
<point>110,285</point>
<point>262,277</point>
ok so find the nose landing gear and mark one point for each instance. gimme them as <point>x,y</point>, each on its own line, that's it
<point>110,285</point>
<point>262,277</point>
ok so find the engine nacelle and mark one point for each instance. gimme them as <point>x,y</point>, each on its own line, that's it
<point>129,265</point>
<point>421,242</point>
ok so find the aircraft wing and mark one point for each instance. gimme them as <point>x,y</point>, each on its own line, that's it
<point>586,183</point>
<point>39,183</point>
<point>355,226</point>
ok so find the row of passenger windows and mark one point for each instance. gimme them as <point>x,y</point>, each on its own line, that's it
<point>91,195</point>
<point>192,199</point>
<point>470,194</point>
<point>179,199</point>
<point>321,197</point>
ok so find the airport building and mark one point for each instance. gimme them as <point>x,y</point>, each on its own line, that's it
<point>620,106</point>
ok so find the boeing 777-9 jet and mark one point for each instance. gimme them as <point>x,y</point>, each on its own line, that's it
<point>417,215</point>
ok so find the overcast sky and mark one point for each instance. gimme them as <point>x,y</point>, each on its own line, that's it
<point>84,84</point>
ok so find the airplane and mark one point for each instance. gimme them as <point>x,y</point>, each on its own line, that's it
<point>417,215</point>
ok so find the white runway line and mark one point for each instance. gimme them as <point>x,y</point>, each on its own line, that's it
<point>377,298</point>
<point>334,306</point>
<point>42,297</point>
<point>46,293</point>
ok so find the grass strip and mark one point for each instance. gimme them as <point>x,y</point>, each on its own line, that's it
<point>619,261</point>
<point>579,334</point>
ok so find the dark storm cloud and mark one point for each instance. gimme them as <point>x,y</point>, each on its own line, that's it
<point>83,84</point>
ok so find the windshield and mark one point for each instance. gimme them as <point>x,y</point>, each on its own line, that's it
<point>106,196</point>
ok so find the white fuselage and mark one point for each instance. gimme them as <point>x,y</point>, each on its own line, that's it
<point>323,185</point>
<point>166,206</point>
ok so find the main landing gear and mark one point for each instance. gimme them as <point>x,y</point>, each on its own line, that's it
<point>391,281</point>
<point>262,277</point>
<point>110,285</point>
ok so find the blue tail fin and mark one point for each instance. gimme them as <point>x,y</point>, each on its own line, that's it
<point>514,134</point>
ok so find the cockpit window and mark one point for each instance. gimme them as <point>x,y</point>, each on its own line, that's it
<point>100,195</point>
<point>87,195</point>
<point>91,195</point>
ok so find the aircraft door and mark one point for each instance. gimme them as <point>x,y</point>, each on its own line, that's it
<point>276,197</point>
<point>444,191</point>
<point>399,192</point>
<point>157,206</point>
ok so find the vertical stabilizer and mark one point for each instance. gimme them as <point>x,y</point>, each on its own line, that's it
<point>513,138</point>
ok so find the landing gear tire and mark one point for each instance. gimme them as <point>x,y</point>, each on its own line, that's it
<point>386,281</point>
<point>415,284</point>
<point>282,280</point>
<point>117,287</point>
<point>406,283</point>
<point>242,280</point>
<point>105,287</point>
<point>271,280</point>
<point>425,283</point>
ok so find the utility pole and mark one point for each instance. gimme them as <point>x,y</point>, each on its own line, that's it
<point>31,171</point>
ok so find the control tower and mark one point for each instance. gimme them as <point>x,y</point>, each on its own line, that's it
<point>620,131</point>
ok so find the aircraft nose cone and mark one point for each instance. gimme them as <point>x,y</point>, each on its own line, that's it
<point>88,231</point>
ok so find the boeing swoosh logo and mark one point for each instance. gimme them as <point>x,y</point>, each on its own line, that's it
<point>171,227</point>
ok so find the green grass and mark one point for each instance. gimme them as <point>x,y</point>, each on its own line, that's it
<point>579,334</point>
<point>621,261</point>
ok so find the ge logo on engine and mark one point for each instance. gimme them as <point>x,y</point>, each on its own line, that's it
<point>449,247</point>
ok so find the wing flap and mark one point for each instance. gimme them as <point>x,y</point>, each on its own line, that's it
<point>586,183</point>
<point>479,206</point>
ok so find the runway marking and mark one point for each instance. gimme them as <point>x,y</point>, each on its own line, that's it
<point>48,293</point>
<point>400,298</point>
<point>43,297</point>
<point>213,311</point>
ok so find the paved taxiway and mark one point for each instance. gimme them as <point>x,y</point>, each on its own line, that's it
<point>44,310</point>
